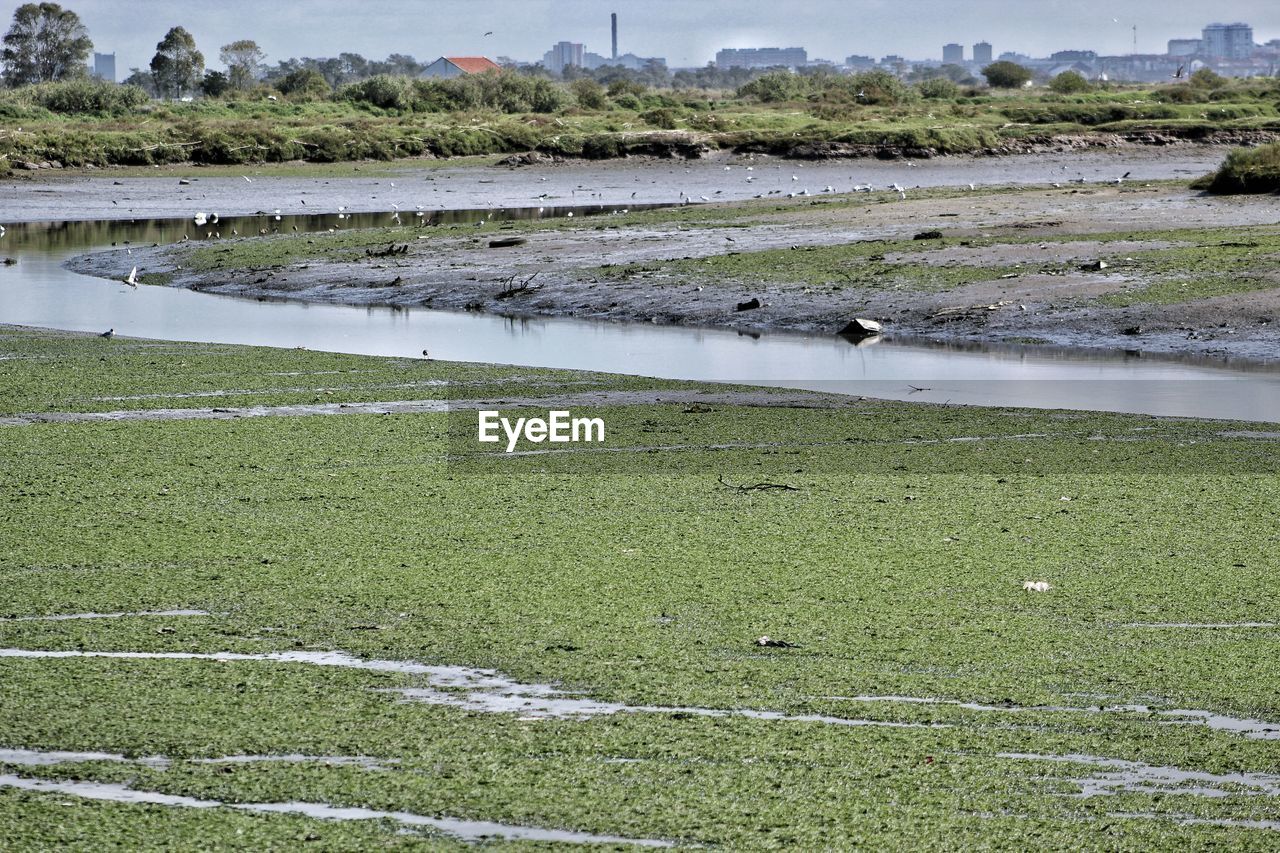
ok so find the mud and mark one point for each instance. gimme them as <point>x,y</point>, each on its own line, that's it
<point>49,196</point>
<point>1059,308</point>
<point>401,407</point>
<point>129,615</point>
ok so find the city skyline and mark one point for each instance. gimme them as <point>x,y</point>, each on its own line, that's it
<point>687,35</point>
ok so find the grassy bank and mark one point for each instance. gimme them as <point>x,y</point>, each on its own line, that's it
<point>397,119</point>
<point>1245,171</point>
<point>638,576</point>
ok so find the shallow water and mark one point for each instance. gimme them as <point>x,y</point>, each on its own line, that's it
<point>466,830</point>
<point>37,291</point>
<point>1119,776</point>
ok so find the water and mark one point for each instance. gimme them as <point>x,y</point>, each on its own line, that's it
<point>37,291</point>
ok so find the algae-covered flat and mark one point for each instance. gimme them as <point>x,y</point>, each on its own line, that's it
<point>364,629</point>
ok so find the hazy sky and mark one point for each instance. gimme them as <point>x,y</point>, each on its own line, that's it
<point>686,32</point>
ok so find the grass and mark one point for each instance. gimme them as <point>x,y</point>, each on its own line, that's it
<point>633,576</point>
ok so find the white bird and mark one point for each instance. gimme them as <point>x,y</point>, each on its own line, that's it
<point>201,218</point>
<point>899,190</point>
<point>132,280</point>
<point>1,230</point>
<point>1037,586</point>
<point>704,198</point>
<point>247,179</point>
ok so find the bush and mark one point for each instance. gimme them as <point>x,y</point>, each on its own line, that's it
<point>1246,170</point>
<point>776,87</point>
<point>1006,75</point>
<point>939,89</point>
<point>84,97</point>
<point>304,84</point>
<point>874,87</point>
<point>1069,83</point>
<point>382,91</point>
<point>665,118</point>
<point>589,94</point>
<point>1207,78</point>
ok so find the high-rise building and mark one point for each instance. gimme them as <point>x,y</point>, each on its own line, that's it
<point>982,53</point>
<point>762,57</point>
<point>104,66</point>
<point>1228,41</point>
<point>953,54</point>
<point>563,55</point>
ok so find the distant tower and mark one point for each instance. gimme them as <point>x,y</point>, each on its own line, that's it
<point>953,54</point>
<point>982,53</point>
<point>614,21</point>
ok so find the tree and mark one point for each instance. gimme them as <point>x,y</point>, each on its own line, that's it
<point>214,84</point>
<point>243,58</point>
<point>46,42</point>
<point>143,80</point>
<point>304,84</point>
<point>939,89</point>
<point>1069,82</point>
<point>1207,78</point>
<point>177,65</point>
<point>589,94</point>
<point>1006,75</point>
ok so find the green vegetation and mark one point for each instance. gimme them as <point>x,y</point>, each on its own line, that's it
<point>1246,170</point>
<point>1007,75</point>
<point>387,117</point>
<point>638,577</point>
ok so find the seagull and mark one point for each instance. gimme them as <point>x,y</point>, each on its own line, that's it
<point>247,179</point>
<point>1181,69</point>
<point>109,333</point>
<point>1037,586</point>
<point>132,280</point>
<point>1,230</point>
<point>899,190</point>
<point>201,218</point>
<point>1120,180</point>
<point>484,36</point>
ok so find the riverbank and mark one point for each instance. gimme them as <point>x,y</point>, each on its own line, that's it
<point>570,641</point>
<point>1148,266</point>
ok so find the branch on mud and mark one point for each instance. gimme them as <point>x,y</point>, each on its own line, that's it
<point>758,487</point>
<point>513,289</point>
<point>391,250</point>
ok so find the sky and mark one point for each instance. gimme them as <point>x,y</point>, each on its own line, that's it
<point>685,32</point>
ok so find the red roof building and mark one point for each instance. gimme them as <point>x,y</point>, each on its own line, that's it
<point>458,66</point>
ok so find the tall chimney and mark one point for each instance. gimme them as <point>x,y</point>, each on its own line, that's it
<point>614,19</point>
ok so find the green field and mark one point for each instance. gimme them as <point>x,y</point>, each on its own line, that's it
<point>639,576</point>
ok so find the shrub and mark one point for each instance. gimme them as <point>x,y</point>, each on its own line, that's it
<point>304,84</point>
<point>589,94</point>
<point>1006,75</point>
<point>92,97</point>
<point>665,118</point>
<point>1246,170</point>
<point>1069,83</point>
<point>939,89</point>
<point>874,87</point>
<point>382,91</point>
<point>775,87</point>
<point>1207,78</point>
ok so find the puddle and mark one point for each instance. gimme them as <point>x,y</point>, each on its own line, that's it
<point>471,689</point>
<point>1250,728</point>
<point>362,761</point>
<point>68,616</point>
<point>1202,625</point>
<point>1192,820</point>
<point>465,830</point>
<point>1119,776</point>
<point>48,758</point>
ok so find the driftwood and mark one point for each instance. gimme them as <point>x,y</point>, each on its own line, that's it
<point>758,487</point>
<point>513,289</point>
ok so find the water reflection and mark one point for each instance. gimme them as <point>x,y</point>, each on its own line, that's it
<point>37,291</point>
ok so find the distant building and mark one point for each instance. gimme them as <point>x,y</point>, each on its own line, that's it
<point>459,66</point>
<point>1074,56</point>
<point>104,66</point>
<point>982,53</point>
<point>857,61</point>
<point>565,54</point>
<point>629,61</point>
<point>953,54</point>
<point>1228,41</point>
<point>762,57</point>
<point>1185,47</point>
